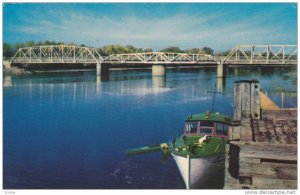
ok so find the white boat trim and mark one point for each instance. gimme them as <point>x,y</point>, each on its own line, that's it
<point>189,170</point>
<point>196,170</point>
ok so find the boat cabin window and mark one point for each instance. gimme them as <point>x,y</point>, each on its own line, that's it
<point>206,127</point>
<point>206,124</point>
<point>191,127</point>
<point>221,129</point>
<point>204,130</point>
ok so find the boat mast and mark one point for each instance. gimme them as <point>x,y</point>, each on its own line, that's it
<point>213,103</point>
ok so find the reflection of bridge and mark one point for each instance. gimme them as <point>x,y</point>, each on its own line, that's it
<point>240,55</point>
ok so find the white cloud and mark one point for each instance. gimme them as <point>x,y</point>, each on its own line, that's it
<point>185,31</point>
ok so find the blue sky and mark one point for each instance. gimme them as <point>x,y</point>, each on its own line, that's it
<point>152,25</point>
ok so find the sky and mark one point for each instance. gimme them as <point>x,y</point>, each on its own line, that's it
<point>219,26</point>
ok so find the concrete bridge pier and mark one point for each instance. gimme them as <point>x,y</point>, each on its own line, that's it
<point>102,73</point>
<point>102,69</point>
<point>98,69</point>
<point>220,70</point>
<point>6,64</point>
<point>158,70</point>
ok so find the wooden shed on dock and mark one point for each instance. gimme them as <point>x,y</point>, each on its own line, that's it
<point>262,153</point>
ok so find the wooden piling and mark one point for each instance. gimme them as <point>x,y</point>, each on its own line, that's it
<point>263,150</point>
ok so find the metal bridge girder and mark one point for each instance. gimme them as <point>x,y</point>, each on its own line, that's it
<point>262,54</point>
<point>240,54</point>
<point>57,54</point>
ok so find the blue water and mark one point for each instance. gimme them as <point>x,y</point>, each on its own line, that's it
<point>71,130</point>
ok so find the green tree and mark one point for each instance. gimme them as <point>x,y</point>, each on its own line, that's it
<point>7,50</point>
<point>172,50</point>
<point>102,52</point>
<point>225,53</point>
<point>218,53</point>
<point>147,50</point>
<point>193,51</point>
<point>207,50</point>
<point>29,44</point>
<point>18,46</point>
<point>131,49</point>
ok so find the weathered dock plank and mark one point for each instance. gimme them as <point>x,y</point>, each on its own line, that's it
<point>275,131</point>
<point>264,150</point>
<point>267,183</point>
<point>262,153</point>
<point>282,114</point>
<point>269,170</point>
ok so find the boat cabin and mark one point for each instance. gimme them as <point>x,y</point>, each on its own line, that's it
<point>211,124</point>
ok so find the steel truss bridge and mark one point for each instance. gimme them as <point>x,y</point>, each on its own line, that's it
<point>240,55</point>
<point>262,54</point>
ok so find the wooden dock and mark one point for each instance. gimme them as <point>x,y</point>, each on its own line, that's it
<point>267,103</point>
<point>263,150</point>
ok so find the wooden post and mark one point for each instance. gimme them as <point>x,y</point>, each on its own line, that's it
<point>282,99</point>
<point>246,107</point>
<point>237,101</point>
<point>255,100</point>
<point>246,99</point>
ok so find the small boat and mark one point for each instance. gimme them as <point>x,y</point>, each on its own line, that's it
<point>200,151</point>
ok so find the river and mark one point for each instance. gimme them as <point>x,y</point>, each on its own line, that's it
<point>71,130</point>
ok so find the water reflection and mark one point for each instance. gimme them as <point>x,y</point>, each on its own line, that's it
<point>220,84</point>
<point>121,85</point>
<point>185,87</point>
<point>7,81</point>
<point>282,99</point>
<point>158,82</point>
<point>74,93</point>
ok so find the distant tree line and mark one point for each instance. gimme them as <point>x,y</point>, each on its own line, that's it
<point>9,50</point>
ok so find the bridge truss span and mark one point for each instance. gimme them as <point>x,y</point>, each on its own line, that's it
<point>161,58</point>
<point>262,54</point>
<point>57,54</point>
